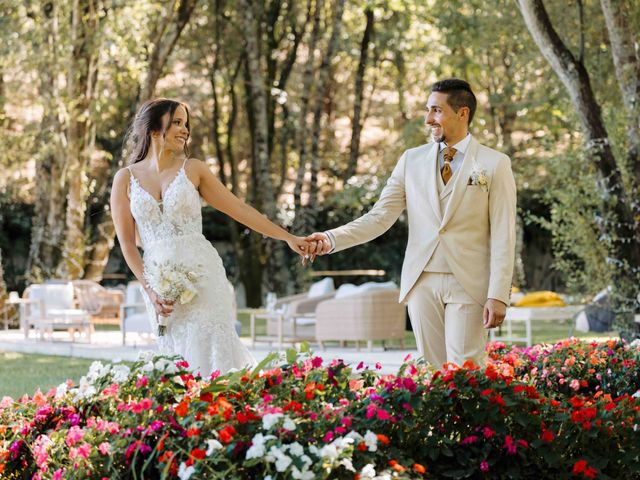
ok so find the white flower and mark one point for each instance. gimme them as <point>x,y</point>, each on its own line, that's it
<point>636,395</point>
<point>148,367</point>
<point>371,441</point>
<point>368,471</point>
<point>165,366</point>
<point>97,370</point>
<point>302,475</point>
<point>212,446</point>
<point>346,463</point>
<point>329,452</point>
<point>296,449</point>
<point>146,355</point>
<point>187,296</point>
<point>120,373</point>
<point>270,419</point>
<point>282,463</point>
<point>61,390</point>
<point>288,424</point>
<point>257,449</point>
<point>185,472</point>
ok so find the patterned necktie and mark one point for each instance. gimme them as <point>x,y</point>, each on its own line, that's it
<point>449,153</point>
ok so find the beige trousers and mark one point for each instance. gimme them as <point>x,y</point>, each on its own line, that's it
<point>446,321</point>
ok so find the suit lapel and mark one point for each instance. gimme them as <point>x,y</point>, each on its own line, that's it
<point>460,184</point>
<point>431,179</point>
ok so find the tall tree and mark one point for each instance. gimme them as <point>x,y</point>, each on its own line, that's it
<point>619,202</point>
<point>87,18</point>
<point>356,122</point>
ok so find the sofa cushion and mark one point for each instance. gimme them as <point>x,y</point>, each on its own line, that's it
<point>321,288</point>
<point>349,289</point>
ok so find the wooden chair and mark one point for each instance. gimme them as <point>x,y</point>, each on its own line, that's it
<point>103,304</point>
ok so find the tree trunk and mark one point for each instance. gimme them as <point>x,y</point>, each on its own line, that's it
<point>81,85</point>
<point>6,310</point>
<point>164,41</point>
<point>618,203</point>
<point>626,59</point>
<point>47,232</point>
<point>321,95</point>
<point>307,82</point>
<point>356,125</point>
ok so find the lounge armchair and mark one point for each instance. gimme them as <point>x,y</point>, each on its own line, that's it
<point>372,314</point>
<point>298,312</point>
<point>52,307</point>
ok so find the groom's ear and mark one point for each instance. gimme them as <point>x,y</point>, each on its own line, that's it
<point>463,113</point>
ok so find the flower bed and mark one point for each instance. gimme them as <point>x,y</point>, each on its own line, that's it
<point>522,416</point>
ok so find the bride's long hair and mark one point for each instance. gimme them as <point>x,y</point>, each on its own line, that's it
<point>148,119</point>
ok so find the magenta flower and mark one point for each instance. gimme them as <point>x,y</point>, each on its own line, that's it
<point>74,435</point>
<point>484,466</point>
<point>471,439</point>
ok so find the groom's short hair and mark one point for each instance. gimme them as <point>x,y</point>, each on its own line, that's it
<point>459,94</point>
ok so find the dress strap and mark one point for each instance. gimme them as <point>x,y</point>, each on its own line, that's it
<point>184,164</point>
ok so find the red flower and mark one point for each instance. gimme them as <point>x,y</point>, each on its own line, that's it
<point>581,466</point>
<point>227,433</point>
<point>547,436</point>
<point>198,453</point>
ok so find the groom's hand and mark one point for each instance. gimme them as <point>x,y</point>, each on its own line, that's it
<point>494,313</point>
<point>319,244</point>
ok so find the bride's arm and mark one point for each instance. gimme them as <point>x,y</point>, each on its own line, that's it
<point>126,232</point>
<point>220,198</point>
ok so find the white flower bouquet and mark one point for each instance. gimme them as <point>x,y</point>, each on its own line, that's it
<point>173,282</point>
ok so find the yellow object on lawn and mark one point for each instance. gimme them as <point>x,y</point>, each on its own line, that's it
<point>541,299</point>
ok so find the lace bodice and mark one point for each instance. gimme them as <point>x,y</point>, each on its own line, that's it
<point>179,213</point>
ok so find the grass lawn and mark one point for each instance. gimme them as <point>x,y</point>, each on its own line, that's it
<point>24,373</point>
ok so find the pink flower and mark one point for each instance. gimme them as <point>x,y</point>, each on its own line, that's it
<point>469,440</point>
<point>488,432</point>
<point>182,364</point>
<point>484,466</point>
<point>142,382</point>
<point>360,365</point>
<point>382,414</point>
<point>407,358</point>
<point>510,445</point>
<point>346,421</point>
<point>575,384</point>
<point>57,475</point>
<point>74,435</point>
<point>378,365</point>
<point>84,450</point>
<point>371,410</point>
<point>316,362</point>
<point>328,437</point>
<point>104,448</point>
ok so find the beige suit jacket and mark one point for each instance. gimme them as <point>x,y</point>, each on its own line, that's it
<point>477,230</point>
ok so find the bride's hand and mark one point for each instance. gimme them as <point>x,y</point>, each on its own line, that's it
<point>163,307</point>
<point>298,245</point>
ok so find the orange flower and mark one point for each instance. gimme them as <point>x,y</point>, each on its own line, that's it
<point>183,408</point>
<point>419,469</point>
<point>382,438</point>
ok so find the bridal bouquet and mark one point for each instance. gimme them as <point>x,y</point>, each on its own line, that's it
<point>174,282</point>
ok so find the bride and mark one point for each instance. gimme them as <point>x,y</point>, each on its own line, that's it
<point>159,197</point>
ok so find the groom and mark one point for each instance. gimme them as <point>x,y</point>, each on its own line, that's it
<point>460,198</point>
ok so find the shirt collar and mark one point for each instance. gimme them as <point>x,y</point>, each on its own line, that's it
<point>461,146</point>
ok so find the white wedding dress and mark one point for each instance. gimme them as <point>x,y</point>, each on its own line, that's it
<point>201,331</point>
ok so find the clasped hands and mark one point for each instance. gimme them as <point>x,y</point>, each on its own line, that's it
<point>309,247</point>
